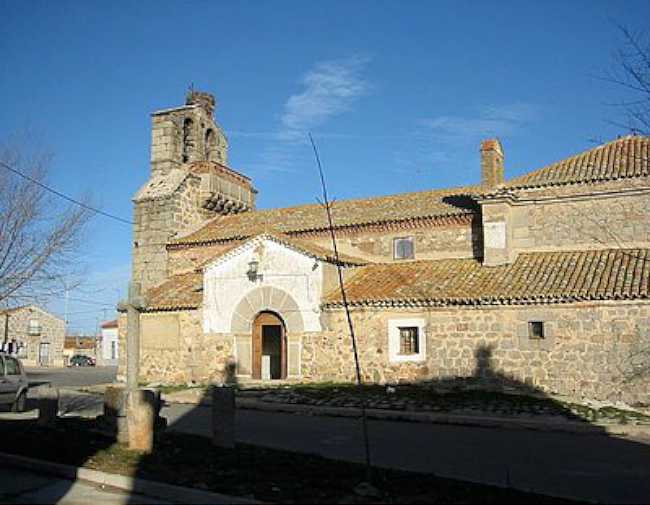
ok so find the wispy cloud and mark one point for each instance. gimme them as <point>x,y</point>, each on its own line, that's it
<point>450,142</point>
<point>500,121</point>
<point>329,88</point>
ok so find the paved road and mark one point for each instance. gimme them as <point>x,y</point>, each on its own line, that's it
<point>22,486</point>
<point>588,467</point>
<point>591,467</point>
<point>73,376</point>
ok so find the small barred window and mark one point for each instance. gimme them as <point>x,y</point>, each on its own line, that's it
<point>403,248</point>
<point>409,340</point>
<point>536,330</point>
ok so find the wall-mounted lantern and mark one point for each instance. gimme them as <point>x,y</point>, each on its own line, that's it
<point>253,271</point>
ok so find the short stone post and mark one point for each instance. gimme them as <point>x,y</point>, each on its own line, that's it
<point>48,406</point>
<point>142,410</point>
<point>115,406</point>
<point>223,416</point>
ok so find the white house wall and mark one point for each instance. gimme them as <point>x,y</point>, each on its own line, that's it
<point>290,281</point>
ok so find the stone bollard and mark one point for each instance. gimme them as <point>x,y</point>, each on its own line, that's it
<point>223,416</point>
<point>115,412</point>
<point>143,406</point>
<point>48,406</point>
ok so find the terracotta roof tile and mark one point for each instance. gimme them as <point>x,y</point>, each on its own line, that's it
<point>532,278</point>
<point>303,246</point>
<point>385,209</point>
<point>183,291</point>
<point>622,158</point>
<point>110,324</point>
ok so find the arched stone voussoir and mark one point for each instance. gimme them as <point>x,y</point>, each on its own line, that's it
<point>262,299</point>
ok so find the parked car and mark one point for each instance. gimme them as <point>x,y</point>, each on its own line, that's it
<point>81,360</point>
<point>13,383</point>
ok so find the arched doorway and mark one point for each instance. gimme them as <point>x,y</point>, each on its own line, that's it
<point>269,347</point>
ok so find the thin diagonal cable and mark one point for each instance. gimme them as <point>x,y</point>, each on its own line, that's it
<point>347,310</point>
<point>65,197</point>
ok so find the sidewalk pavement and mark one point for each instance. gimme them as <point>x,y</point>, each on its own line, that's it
<point>32,487</point>
<point>29,480</point>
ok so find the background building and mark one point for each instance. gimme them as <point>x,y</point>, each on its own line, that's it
<point>37,335</point>
<point>109,346</point>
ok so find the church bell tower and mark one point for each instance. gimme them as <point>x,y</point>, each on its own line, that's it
<point>190,182</point>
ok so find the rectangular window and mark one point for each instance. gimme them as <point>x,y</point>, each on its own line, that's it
<point>34,327</point>
<point>403,248</point>
<point>536,330</point>
<point>409,341</point>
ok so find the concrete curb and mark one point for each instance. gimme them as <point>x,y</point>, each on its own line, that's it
<point>176,494</point>
<point>629,430</point>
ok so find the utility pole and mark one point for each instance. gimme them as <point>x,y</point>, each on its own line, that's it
<point>5,343</point>
<point>6,338</point>
<point>65,309</point>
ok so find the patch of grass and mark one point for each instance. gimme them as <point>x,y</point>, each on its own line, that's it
<point>265,474</point>
<point>420,397</point>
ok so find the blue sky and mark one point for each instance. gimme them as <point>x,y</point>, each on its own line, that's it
<point>397,94</point>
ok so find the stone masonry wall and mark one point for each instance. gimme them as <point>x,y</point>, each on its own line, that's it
<point>52,332</point>
<point>183,355</point>
<point>613,221</point>
<point>156,222</point>
<point>586,352</point>
<point>432,242</point>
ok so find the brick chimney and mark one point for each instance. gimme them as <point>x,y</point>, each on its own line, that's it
<point>491,163</point>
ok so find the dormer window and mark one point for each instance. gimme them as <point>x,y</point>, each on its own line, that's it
<point>403,248</point>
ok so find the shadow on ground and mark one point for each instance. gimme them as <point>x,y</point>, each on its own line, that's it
<point>287,458</point>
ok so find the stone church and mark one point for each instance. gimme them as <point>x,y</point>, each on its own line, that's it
<point>546,275</point>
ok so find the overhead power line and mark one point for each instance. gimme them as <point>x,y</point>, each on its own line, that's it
<point>65,197</point>
<point>92,302</point>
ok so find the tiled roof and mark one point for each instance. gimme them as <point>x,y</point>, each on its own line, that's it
<point>183,291</point>
<point>302,246</point>
<point>110,324</point>
<point>547,277</point>
<point>319,252</point>
<point>367,211</point>
<point>71,342</point>
<point>14,309</point>
<point>622,158</point>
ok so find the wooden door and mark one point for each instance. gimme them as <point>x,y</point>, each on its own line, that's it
<point>267,319</point>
